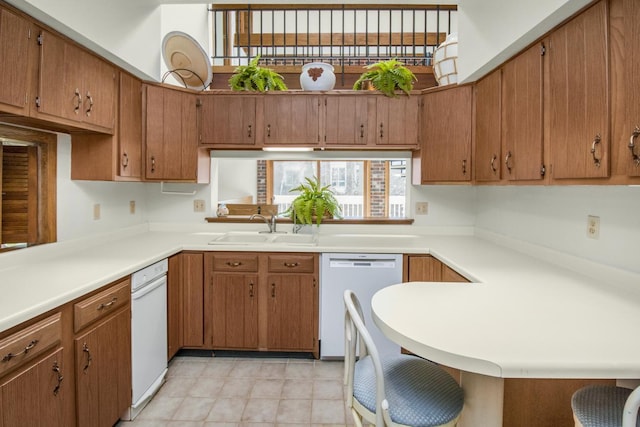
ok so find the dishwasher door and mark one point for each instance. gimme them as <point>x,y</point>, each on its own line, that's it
<point>364,274</point>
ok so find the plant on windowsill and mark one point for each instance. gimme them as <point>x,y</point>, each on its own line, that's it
<point>252,77</point>
<point>314,203</point>
<point>387,77</point>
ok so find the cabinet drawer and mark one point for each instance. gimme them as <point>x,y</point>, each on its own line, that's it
<point>235,262</point>
<point>291,263</point>
<point>30,342</point>
<point>101,304</point>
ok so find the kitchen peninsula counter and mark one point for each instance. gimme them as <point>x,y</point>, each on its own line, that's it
<point>507,274</point>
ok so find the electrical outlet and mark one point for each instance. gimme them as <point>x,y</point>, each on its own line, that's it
<point>198,205</point>
<point>422,208</point>
<point>96,211</point>
<point>593,227</point>
<point>132,207</point>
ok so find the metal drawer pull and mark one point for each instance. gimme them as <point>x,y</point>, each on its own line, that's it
<point>361,131</point>
<point>250,290</point>
<point>107,304</point>
<point>381,130</point>
<point>249,131</point>
<point>85,349</point>
<point>493,165</point>
<point>632,146</point>
<point>153,164</point>
<point>78,101</point>
<point>273,290</point>
<point>234,264</point>
<point>596,141</point>
<point>268,131</point>
<point>125,160</point>
<point>506,161</point>
<point>90,98</point>
<point>464,167</point>
<point>56,369</point>
<point>26,350</point>
<point>291,264</point>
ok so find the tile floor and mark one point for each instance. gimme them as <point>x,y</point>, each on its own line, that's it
<point>225,391</point>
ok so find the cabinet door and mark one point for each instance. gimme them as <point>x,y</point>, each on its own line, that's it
<point>347,121</point>
<point>578,96</point>
<point>234,310</point>
<point>291,321</point>
<point>99,91</point>
<point>291,119</point>
<point>423,268</point>
<point>37,396</point>
<point>522,107</point>
<point>397,121</point>
<point>488,153</point>
<point>103,371</point>
<point>130,127</point>
<point>14,62</point>
<point>445,153</point>
<point>625,87</point>
<point>228,121</point>
<point>57,58</point>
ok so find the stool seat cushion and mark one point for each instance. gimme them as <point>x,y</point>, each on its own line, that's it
<point>419,393</point>
<point>600,405</point>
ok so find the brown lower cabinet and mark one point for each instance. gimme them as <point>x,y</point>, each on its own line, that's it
<point>261,301</point>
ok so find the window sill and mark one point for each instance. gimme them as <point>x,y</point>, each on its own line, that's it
<point>366,221</point>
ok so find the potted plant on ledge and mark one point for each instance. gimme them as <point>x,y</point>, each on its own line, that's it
<point>387,77</point>
<point>252,77</point>
<point>314,203</point>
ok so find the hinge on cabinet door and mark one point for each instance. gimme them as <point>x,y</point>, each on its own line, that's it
<point>543,49</point>
<point>543,170</point>
<point>40,39</point>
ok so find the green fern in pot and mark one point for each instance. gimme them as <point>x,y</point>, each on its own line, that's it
<point>252,77</point>
<point>387,77</point>
<point>313,203</point>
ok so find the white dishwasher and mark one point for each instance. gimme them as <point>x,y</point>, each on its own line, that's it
<point>364,274</point>
<point>148,334</point>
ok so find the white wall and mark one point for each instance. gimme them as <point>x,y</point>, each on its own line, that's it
<point>491,31</point>
<point>75,200</point>
<point>556,217</point>
<point>449,205</point>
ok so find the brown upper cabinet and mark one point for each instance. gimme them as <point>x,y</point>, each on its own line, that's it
<point>445,154</point>
<point>522,116</point>
<point>86,89</point>
<point>397,121</point>
<point>488,149</point>
<point>171,136</point>
<point>578,96</point>
<point>228,121</point>
<point>347,121</point>
<point>625,87</point>
<point>291,119</point>
<point>15,33</point>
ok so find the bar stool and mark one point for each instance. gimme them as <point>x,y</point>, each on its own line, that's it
<point>396,390</point>
<point>606,406</point>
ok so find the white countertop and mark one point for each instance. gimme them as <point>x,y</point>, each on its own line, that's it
<point>522,309</point>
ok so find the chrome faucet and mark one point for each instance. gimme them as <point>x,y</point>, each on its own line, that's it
<point>271,223</point>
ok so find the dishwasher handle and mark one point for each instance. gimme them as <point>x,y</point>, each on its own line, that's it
<point>359,263</point>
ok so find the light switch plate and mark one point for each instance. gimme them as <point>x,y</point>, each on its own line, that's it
<point>198,205</point>
<point>422,208</point>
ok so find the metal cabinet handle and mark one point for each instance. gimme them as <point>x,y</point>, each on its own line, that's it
<point>26,350</point>
<point>153,164</point>
<point>381,130</point>
<point>290,264</point>
<point>273,290</point>
<point>78,101</point>
<point>493,163</point>
<point>56,369</point>
<point>125,160</point>
<point>234,264</point>
<point>85,349</point>
<point>88,110</point>
<point>107,304</point>
<point>632,146</point>
<point>464,167</point>
<point>361,131</point>
<point>596,141</point>
<point>249,131</point>
<point>250,290</point>
<point>268,131</point>
<point>507,163</point>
